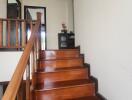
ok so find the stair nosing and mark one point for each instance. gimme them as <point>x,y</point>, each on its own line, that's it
<point>65,58</point>
<point>60,50</point>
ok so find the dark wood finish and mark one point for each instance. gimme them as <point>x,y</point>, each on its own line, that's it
<point>59,54</point>
<point>14,84</point>
<point>60,75</point>
<point>8,34</point>
<point>63,84</point>
<point>23,33</point>
<point>20,95</point>
<point>67,91</point>
<point>87,98</point>
<point>28,81</point>
<point>17,40</point>
<point>20,20</point>
<point>57,74</point>
<point>60,63</point>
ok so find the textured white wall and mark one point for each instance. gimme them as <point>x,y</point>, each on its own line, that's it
<point>58,11</point>
<point>104,30</point>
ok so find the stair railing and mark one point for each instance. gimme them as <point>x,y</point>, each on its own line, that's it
<point>13,33</point>
<point>27,60</point>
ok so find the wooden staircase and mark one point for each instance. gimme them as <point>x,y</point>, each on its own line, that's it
<point>62,75</point>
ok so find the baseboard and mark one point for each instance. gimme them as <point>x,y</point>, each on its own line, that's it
<point>100,96</point>
<point>4,83</point>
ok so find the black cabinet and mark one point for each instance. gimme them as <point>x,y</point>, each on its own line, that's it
<point>66,40</point>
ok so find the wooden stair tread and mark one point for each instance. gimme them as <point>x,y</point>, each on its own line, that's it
<point>49,69</point>
<point>63,84</point>
<point>60,63</point>
<point>62,75</point>
<point>58,54</point>
<point>59,50</point>
<point>87,98</point>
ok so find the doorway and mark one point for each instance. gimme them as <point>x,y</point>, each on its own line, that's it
<point>30,14</point>
<point>13,9</point>
<point>14,12</point>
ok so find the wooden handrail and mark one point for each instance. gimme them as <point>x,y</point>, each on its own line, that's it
<point>13,87</point>
<point>21,20</point>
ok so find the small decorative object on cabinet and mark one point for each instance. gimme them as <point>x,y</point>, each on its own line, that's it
<point>66,40</point>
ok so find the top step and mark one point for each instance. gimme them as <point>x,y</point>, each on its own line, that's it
<point>59,54</point>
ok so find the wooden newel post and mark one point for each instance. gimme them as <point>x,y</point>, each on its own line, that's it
<point>39,33</point>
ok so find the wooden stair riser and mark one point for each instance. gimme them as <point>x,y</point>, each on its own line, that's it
<point>59,54</point>
<point>60,63</point>
<point>88,98</point>
<point>66,93</point>
<point>60,76</point>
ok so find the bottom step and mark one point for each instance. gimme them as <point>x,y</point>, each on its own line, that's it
<point>87,98</point>
<point>65,90</point>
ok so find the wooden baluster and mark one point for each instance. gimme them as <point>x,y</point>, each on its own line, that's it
<point>17,41</point>
<point>34,58</point>
<point>8,33</point>
<point>39,33</point>
<point>24,33</point>
<point>1,33</point>
<point>20,94</point>
<point>12,89</point>
<point>28,81</point>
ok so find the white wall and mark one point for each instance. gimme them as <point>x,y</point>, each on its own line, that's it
<point>58,11</point>
<point>3,13</point>
<point>8,62</point>
<point>3,5</point>
<point>104,30</point>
